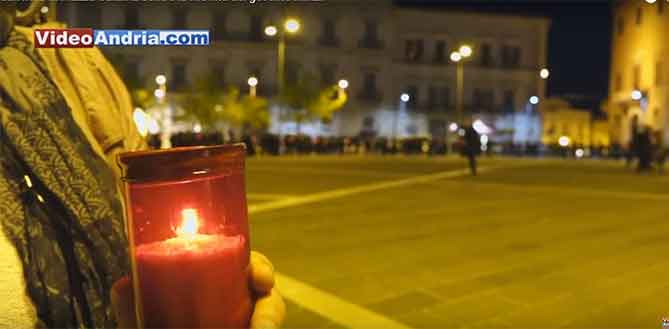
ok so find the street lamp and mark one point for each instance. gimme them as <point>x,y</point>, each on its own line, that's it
<point>458,57</point>
<point>465,51</point>
<point>253,82</point>
<point>291,26</point>
<point>343,83</point>
<point>166,117</point>
<point>544,73</point>
<point>161,79</point>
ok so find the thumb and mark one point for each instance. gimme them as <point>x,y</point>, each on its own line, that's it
<point>123,303</point>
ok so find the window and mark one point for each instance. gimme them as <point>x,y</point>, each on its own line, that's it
<point>483,99</point>
<point>412,91</point>
<point>179,18</point>
<point>131,73</point>
<point>509,104</point>
<point>292,72</point>
<point>659,73</point>
<point>618,82</point>
<point>178,75</point>
<point>370,38</point>
<point>328,74</point>
<point>486,55</point>
<point>218,28</point>
<point>329,33</point>
<point>639,15</point>
<point>440,52</point>
<point>413,51</point>
<point>218,73</point>
<point>510,56</point>
<point>369,88</point>
<point>636,77</point>
<point>255,28</point>
<point>445,94</point>
<point>432,97</point>
<point>131,15</point>
<point>620,25</point>
<point>90,15</point>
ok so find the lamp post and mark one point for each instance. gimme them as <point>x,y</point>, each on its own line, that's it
<point>291,26</point>
<point>166,116</point>
<point>404,99</point>
<point>253,82</point>
<point>458,58</point>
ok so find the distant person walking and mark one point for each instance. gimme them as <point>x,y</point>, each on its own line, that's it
<point>660,151</point>
<point>471,146</point>
<point>632,147</point>
<point>644,148</point>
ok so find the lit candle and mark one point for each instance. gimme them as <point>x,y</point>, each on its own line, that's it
<point>194,280</point>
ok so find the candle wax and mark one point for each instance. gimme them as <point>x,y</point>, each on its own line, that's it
<point>195,281</point>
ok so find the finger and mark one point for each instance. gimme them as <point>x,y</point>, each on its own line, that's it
<point>262,273</point>
<point>123,303</point>
<point>269,312</point>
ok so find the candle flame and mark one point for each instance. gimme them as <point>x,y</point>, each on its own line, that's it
<point>190,224</point>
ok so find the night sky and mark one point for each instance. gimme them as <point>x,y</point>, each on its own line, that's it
<point>579,40</point>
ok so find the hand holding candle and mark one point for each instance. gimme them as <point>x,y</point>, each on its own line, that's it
<point>268,312</point>
<point>189,240</point>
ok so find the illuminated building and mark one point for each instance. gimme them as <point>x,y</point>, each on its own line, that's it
<point>639,69</point>
<point>380,49</point>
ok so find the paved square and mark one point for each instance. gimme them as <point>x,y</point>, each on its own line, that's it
<point>528,243</point>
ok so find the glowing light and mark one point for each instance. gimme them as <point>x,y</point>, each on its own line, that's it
<point>484,139</point>
<point>579,153</point>
<point>292,25</point>
<point>637,95</point>
<point>544,73</point>
<point>141,121</point>
<point>271,31</point>
<point>190,224</point>
<point>465,51</point>
<point>651,1</point>
<point>197,128</point>
<point>564,141</point>
<point>456,56</point>
<point>453,127</point>
<point>159,93</point>
<point>161,79</point>
<point>29,182</point>
<point>534,100</point>
<point>343,83</point>
<point>481,127</point>
<point>484,148</point>
<point>44,10</point>
<point>253,81</point>
<point>153,126</point>
<point>405,97</point>
<point>461,132</point>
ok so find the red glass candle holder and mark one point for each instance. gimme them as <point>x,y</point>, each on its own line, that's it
<point>188,232</point>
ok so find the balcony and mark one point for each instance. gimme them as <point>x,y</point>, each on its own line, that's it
<point>330,41</point>
<point>370,96</point>
<point>371,43</point>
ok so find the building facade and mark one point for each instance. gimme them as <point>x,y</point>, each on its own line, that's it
<point>381,49</point>
<point>638,95</point>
